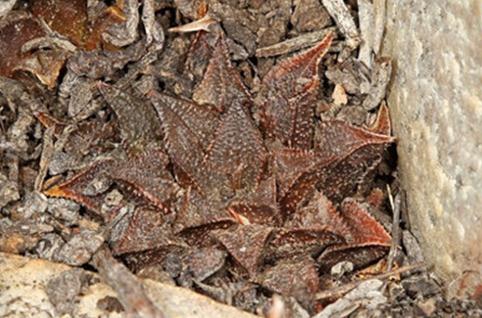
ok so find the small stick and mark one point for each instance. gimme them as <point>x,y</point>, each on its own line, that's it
<point>343,19</point>
<point>339,291</point>
<point>395,205</point>
<point>294,44</point>
<point>129,289</point>
<point>46,157</point>
<point>365,16</point>
<point>379,21</point>
<point>202,24</point>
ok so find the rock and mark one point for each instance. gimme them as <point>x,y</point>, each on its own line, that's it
<point>63,289</point>
<point>436,107</point>
<point>80,248</point>
<point>341,269</point>
<point>64,210</point>
<point>8,191</point>
<point>420,286</point>
<point>34,203</point>
<point>49,246</point>
<point>367,296</point>
<point>29,297</point>
<point>428,306</point>
<point>309,15</point>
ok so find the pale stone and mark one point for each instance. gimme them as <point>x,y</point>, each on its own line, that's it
<point>436,107</point>
<point>23,284</point>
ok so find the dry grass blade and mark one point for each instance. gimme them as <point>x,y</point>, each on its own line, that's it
<point>340,13</point>
<point>202,24</point>
<point>300,42</point>
<point>395,205</point>
<point>339,291</point>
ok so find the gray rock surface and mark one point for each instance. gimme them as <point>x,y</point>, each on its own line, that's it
<point>436,108</point>
<point>26,287</point>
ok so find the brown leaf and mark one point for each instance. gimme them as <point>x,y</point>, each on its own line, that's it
<point>221,84</point>
<point>382,124</point>
<point>368,241</point>
<point>360,255</point>
<point>197,215</point>
<point>204,262</point>
<point>146,176</point>
<point>146,230</point>
<point>290,164</point>
<point>245,243</point>
<point>139,260</point>
<point>364,227</point>
<point>68,18</point>
<point>289,91</point>
<point>288,243</point>
<point>352,152</point>
<point>258,206</point>
<point>319,213</point>
<point>45,65</point>
<point>236,146</point>
<point>297,278</point>
<point>339,139</point>
<point>106,19</point>
<point>345,155</point>
<point>199,54</point>
<point>15,30</point>
<point>188,128</point>
<point>81,187</point>
<point>137,118</point>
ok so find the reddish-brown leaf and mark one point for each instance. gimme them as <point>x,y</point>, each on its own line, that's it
<point>382,124</point>
<point>297,278</point>
<point>289,91</point>
<point>15,30</point>
<point>82,186</point>
<point>146,230</point>
<point>188,129</point>
<point>199,54</point>
<point>367,240</point>
<point>345,155</point>
<point>360,255</point>
<point>221,84</point>
<point>68,18</point>
<point>289,165</point>
<point>258,206</point>
<point>245,243</point>
<point>288,243</point>
<point>237,153</point>
<point>196,216</point>
<point>319,213</point>
<point>137,119</point>
<point>364,227</point>
<point>146,176</point>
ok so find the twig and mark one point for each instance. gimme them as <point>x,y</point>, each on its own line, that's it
<point>379,7</point>
<point>365,18</point>
<point>340,13</point>
<point>395,205</point>
<point>294,44</point>
<point>129,289</point>
<point>202,24</point>
<point>47,153</point>
<point>341,290</point>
